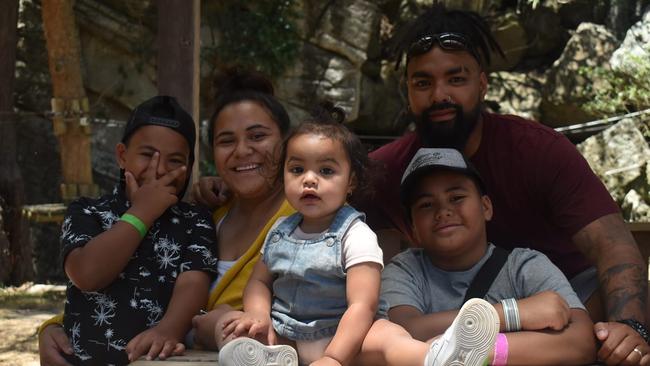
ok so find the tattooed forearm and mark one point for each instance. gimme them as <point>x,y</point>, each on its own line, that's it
<point>626,288</point>
<point>622,273</point>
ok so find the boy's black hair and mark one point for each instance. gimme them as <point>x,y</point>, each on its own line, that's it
<point>437,19</point>
<point>237,86</point>
<point>327,120</point>
<point>164,111</point>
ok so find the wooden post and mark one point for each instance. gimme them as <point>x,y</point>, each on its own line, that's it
<point>69,104</point>
<point>178,57</point>
<point>15,245</point>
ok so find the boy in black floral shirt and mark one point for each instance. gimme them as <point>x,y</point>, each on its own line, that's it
<point>139,260</point>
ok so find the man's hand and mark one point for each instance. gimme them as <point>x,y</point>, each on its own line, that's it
<point>52,343</point>
<point>155,343</point>
<point>621,345</point>
<point>211,192</point>
<point>544,310</point>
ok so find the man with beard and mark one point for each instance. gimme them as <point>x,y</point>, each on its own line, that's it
<point>545,196</point>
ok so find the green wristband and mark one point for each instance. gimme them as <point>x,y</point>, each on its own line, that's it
<point>136,222</point>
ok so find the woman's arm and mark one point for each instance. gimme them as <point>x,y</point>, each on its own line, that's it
<point>362,291</point>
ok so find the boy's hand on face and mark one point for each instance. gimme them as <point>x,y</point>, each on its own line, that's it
<point>156,194</point>
<point>154,343</point>
<point>544,310</point>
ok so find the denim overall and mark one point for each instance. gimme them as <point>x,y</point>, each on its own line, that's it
<point>309,295</point>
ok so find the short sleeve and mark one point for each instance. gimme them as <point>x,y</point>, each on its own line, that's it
<point>79,226</point>
<point>535,273</point>
<point>360,245</point>
<point>576,196</point>
<point>401,283</point>
<point>201,250</point>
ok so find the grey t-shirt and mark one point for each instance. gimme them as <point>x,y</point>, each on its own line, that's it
<point>411,279</point>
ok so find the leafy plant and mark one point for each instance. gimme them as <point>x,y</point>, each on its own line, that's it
<point>618,91</point>
<point>258,34</point>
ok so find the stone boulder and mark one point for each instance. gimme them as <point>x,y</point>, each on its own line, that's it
<point>546,35</point>
<point>331,58</point>
<point>118,61</point>
<point>515,93</point>
<point>566,88</point>
<point>635,207</point>
<point>619,156</point>
<point>511,36</point>
<point>635,47</point>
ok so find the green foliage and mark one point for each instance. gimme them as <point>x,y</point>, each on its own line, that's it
<point>614,92</point>
<point>257,34</point>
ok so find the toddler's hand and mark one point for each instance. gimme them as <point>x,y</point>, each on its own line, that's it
<point>154,342</point>
<point>251,325</point>
<point>155,194</point>
<point>228,324</point>
<point>544,310</point>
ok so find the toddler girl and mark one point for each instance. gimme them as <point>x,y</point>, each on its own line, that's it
<point>317,285</point>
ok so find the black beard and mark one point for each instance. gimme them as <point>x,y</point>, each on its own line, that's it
<point>451,134</point>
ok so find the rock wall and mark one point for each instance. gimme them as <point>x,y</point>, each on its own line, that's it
<point>620,156</point>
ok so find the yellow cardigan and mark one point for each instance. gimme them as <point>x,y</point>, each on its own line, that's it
<point>230,288</point>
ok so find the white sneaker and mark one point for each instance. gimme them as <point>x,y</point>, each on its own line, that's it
<point>245,351</point>
<point>469,339</point>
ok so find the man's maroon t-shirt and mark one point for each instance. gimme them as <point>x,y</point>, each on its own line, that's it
<point>543,191</point>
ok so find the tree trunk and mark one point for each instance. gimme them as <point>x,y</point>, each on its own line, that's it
<point>15,246</point>
<point>178,57</point>
<point>69,104</point>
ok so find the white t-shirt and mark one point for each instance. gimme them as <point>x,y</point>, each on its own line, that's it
<point>359,244</point>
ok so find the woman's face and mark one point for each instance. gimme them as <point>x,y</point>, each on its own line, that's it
<point>246,144</point>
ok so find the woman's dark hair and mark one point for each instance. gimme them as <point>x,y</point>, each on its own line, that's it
<point>236,86</point>
<point>437,19</point>
<point>327,120</point>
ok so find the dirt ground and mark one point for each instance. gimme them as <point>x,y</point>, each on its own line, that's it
<point>22,310</point>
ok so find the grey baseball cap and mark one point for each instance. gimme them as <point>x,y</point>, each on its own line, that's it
<point>427,160</point>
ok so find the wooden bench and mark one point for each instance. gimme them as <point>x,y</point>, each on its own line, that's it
<point>190,358</point>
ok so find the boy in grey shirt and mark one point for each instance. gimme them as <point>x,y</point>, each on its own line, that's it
<point>448,208</point>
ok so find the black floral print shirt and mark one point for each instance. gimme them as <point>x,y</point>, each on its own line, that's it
<point>101,323</point>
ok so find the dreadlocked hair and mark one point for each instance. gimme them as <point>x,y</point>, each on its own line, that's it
<point>438,19</point>
<point>327,120</point>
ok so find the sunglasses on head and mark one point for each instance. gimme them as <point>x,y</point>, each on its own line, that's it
<point>447,41</point>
